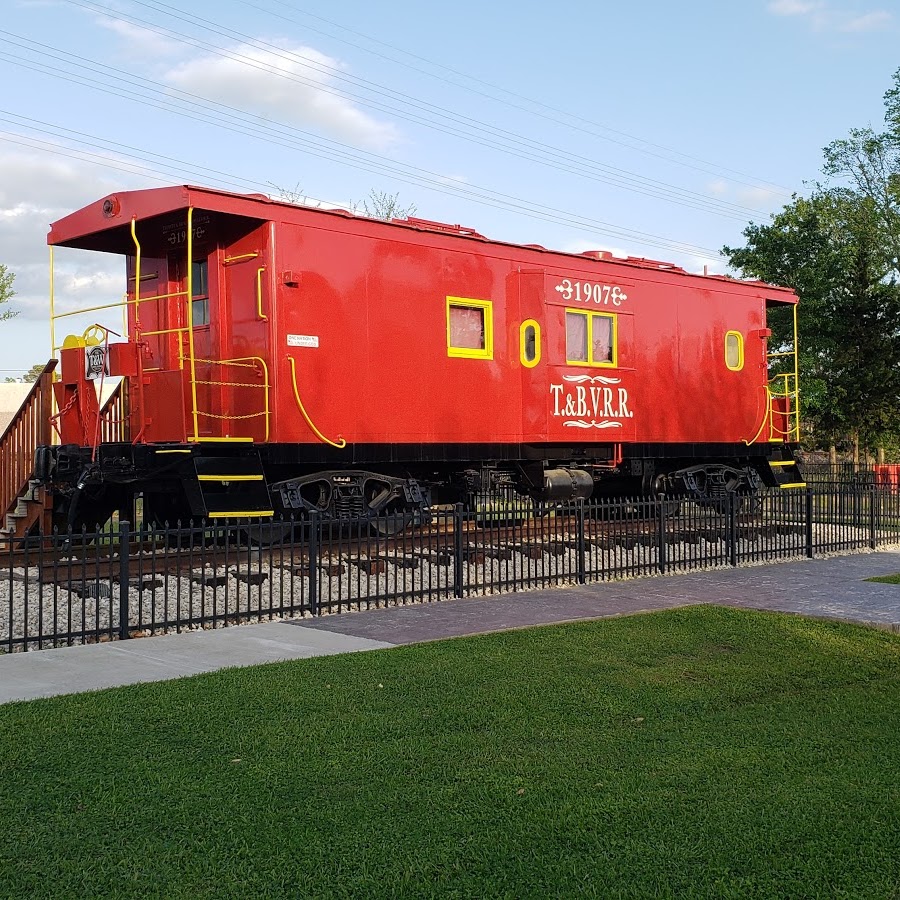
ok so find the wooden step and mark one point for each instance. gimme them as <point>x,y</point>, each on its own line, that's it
<point>32,509</point>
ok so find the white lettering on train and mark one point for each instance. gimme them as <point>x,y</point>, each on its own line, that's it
<point>585,401</point>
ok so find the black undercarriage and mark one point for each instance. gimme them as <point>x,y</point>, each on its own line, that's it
<point>234,481</point>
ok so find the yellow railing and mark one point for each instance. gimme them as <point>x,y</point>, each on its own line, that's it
<point>246,362</point>
<point>783,386</point>
<point>259,310</point>
<point>254,362</point>
<point>789,390</point>
<point>340,443</point>
<point>189,284</point>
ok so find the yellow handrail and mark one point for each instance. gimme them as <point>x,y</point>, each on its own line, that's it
<point>137,277</point>
<point>780,387</point>
<point>242,362</point>
<point>263,317</point>
<point>52,307</point>
<point>87,309</point>
<point>340,443</point>
<point>767,416</point>
<point>189,278</point>
<point>176,330</point>
<point>796,378</point>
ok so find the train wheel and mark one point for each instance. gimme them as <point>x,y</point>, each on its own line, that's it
<point>267,534</point>
<point>389,524</point>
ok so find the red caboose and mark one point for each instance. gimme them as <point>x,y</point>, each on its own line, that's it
<point>280,358</point>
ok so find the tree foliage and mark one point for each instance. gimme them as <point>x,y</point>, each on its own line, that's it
<point>378,205</point>
<point>839,248</point>
<point>381,205</point>
<point>6,292</point>
<point>33,373</point>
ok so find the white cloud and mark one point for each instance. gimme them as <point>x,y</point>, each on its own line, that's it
<point>869,22</point>
<point>825,16</point>
<point>759,198</point>
<point>793,7</point>
<point>35,191</point>
<point>291,85</point>
<point>144,42</point>
<point>31,181</point>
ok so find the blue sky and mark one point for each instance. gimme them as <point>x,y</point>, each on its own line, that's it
<point>653,129</point>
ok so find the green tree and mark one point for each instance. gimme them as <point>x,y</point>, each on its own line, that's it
<point>33,373</point>
<point>869,162</point>
<point>839,249</point>
<point>6,292</point>
<point>831,249</point>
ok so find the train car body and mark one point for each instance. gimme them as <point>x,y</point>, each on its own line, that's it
<point>283,359</point>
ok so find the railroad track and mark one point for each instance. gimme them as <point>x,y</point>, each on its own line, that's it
<point>477,543</point>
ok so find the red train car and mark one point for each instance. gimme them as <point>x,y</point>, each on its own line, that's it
<point>281,358</point>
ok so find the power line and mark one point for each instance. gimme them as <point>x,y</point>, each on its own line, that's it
<point>163,96</point>
<point>688,161</point>
<point>448,122</point>
<point>324,148</point>
<point>127,162</point>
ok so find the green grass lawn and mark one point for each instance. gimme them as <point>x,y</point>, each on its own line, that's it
<point>700,752</point>
<point>885,579</point>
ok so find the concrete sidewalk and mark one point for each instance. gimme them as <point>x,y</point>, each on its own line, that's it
<point>831,588</point>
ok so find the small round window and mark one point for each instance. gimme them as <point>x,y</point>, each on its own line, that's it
<point>734,351</point>
<point>530,343</point>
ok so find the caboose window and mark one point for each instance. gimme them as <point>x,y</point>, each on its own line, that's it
<point>576,337</point>
<point>734,351</point>
<point>590,338</point>
<point>530,341</point>
<point>470,328</point>
<point>200,292</point>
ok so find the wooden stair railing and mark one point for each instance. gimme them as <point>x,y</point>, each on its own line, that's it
<point>29,429</point>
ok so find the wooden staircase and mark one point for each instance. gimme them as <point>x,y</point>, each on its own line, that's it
<point>24,504</point>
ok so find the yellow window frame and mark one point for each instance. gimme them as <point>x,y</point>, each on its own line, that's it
<point>523,329</point>
<point>740,349</point>
<point>487,306</point>
<point>614,338</point>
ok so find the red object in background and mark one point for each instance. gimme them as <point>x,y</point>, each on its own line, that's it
<point>888,475</point>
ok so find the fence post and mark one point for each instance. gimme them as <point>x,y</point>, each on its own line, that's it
<point>809,522</point>
<point>731,528</point>
<point>314,563</point>
<point>579,539</point>
<point>873,495</point>
<point>124,551</point>
<point>662,561</point>
<point>458,550</point>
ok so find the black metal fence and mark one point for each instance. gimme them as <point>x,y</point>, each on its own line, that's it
<point>124,583</point>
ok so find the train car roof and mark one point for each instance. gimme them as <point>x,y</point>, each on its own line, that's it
<point>105,226</point>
